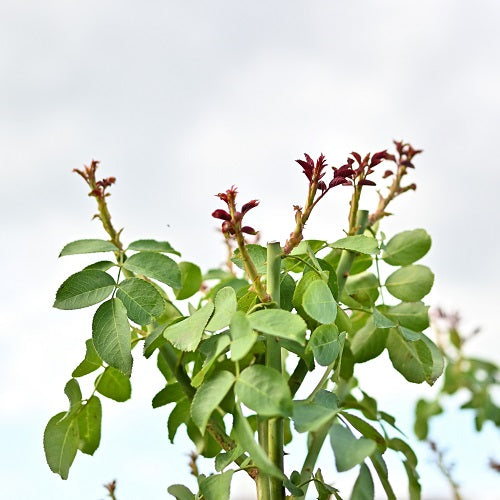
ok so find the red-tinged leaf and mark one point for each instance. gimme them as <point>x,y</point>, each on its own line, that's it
<point>357,156</point>
<point>221,214</point>
<point>366,182</point>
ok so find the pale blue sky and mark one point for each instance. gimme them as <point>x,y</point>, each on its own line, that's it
<point>180,100</point>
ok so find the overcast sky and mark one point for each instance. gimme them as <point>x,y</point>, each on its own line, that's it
<point>179,100</point>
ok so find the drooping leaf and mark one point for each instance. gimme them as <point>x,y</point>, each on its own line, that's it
<point>436,369</point>
<point>60,443</point>
<point>243,337</point>
<point>225,306</point>
<point>91,362</point>
<point>279,323</point>
<point>156,266</point>
<point>423,411</point>
<point>114,385</point>
<point>88,246</point>
<point>181,492</point>
<point>89,426</point>
<point>348,450</point>
<point>152,246</point>
<point>244,436</point>
<point>410,283</point>
<point>324,344</point>
<point>208,397</point>
<point>257,253</point>
<point>111,335</point>
<point>216,486</point>
<point>381,469</point>
<point>357,243</point>
<point>186,334</point>
<point>169,394</point>
<point>84,289</point>
<point>141,299</point>
<point>311,415</point>
<point>178,416</point>
<point>412,315</point>
<point>407,247</point>
<point>363,488</point>
<point>191,279</point>
<point>366,430</point>
<point>318,302</point>
<point>264,390</point>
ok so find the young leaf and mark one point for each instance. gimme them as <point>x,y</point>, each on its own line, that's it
<point>208,397</point>
<point>89,426</point>
<point>364,488</point>
<point>88,246</point>
<point>186,334</point>
<point>60,443</point>
<point>242,334</point>
<point>156,266</point>
<point>142,300</point>
<point>190,280</point>
<point>264,390</point>
<point>225,306</point>
<point>111,335</point>
<point>152,246</point>
<point>84,289</point>
<point>407,247</point>
<point>114,385</point>
<point>410,283</point>
<point>324,344</point>
<point>348,450</point>
<point>279,323</point>
<point>358,243</point>
<point>318,302</point>
<point>216,486</point>
<point>91,362</point>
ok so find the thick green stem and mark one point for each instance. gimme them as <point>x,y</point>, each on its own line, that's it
<point>273,360</point>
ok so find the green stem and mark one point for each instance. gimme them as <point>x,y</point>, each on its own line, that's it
<point>273,360</point>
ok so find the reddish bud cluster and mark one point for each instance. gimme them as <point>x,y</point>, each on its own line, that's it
<point>98,188</point>
<point>233,218</point>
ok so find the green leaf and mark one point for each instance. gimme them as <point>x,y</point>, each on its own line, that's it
<point>208,397</point>
<point>178,416</point>
<point>152,246</point>
<point>257,253</point>
<point>142,300</point>
<point>264,390</point>
<point>381,321</point>
<point>381,469</point>
<point>91,362</point>
<point>212,348</point>
<point>89,426</point>
<point>325,491</point>
<point>225,306</point>
<point>311,415</point>
<point>279,323</point>
<point>364,488</point>
<point>114,385</point>
<point>222,460</point>
<point>412,315</point>
<point>84,289</point>
<point>318,302</point>
<point>348,450</point>
<point>408,334</point>
<point>243,336</point>
<point>410,283</point>
<point>186,334</point>
<point>74,394</point>
<point>366,429</point>
<point>368,342</point>
<point>154,340</point>
<point>181,492</point>
<point>244,436</point>
<point>169,394</point>
<point>424,410</point>
<point>324,344</point>
<point>358,243</point>
<point>156,266</point>
<point>399,445</point>
<point>216,486</point>
<point>111,335</point>
<point>407,247</point>
<point>60,443</point>
<point>102,265</point>
<point>436,369</point>
<point>88,246</point>
<point>287,289</point>
<point>191,279</point>
<point>362,287</point>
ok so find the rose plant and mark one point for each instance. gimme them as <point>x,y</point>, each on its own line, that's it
<point>234,356</point>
